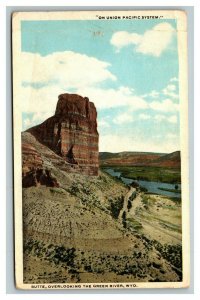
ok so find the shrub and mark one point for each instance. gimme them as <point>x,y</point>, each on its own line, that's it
<point>74,189</point>
<point>116,206</point>
<point>143,189</point>
<point>124,219</point>
<point>129,205</point>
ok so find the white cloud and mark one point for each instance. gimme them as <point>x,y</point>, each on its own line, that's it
<point>170,91</point>
<point>152,94</point>
<point>40,116</point>
<point>110,98</point>
<point>153,42</point>
<point>121,39</point>
<point>123,118</point>
<point>118,143</point>
<point>174,79</point>
<point>27,123</point>
<point>43,78</point>
<point>144,117</point>
<point>37,118</point>
<point>173,119</point>
<point>171,87</point>
<point>166,105</point>
<point>160,118</point>
<point>172,136</point>
<point>156,40</point>
<point>46,77</point>
<point>68,69</point>
<point>44,100</point>
<point>103,124</point>
<point>40,101</point>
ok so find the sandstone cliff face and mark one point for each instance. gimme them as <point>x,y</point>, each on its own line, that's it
<point>72,133</point>
<point>31,159</point>
<point>33,171</point>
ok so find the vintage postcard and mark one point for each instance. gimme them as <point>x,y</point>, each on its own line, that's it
<point>100,105</point>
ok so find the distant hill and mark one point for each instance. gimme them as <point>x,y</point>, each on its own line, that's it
<point>169,160</point>
<point>140,159</point>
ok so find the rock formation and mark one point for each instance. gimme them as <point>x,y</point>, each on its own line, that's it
<point>31,159</point>
<point>33,171</point>
<point>72,133</point>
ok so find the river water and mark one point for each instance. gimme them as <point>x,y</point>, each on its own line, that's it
<point>151,186</point>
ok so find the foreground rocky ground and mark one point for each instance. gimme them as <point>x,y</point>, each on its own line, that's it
<point>95,229</point>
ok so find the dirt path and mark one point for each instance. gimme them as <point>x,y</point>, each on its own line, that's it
<point>151,228</point>
<point>126,198</point>
<point>135,204</point>
<point>158,231</point>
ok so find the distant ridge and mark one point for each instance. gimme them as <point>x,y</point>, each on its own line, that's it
<point>169,160</point>
<point>141,159</point>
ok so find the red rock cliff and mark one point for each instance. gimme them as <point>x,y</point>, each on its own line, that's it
<point>72,132</point>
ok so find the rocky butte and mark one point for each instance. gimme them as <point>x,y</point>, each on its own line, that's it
<point>71,133</point>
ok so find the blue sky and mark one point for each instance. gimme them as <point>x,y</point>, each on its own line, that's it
<point>128,68</point>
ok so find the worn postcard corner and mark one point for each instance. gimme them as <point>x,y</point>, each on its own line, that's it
<point>100,122</point>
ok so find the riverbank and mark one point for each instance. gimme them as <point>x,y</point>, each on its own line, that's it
<point>156,174</point>
<point>153,187</point>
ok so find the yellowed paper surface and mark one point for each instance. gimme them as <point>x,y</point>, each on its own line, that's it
<point>101,186</point>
